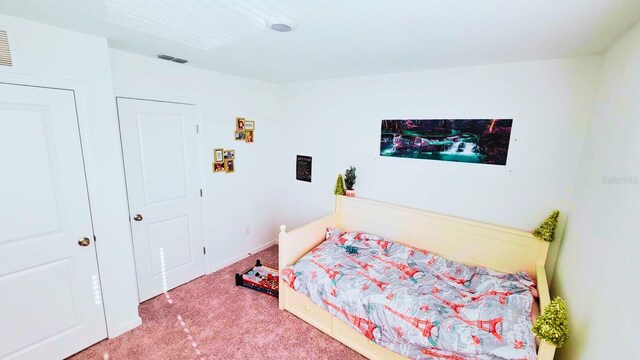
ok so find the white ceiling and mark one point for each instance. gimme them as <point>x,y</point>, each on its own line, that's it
<point>338,38</point>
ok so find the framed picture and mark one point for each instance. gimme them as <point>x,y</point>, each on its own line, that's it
<point>228,166</point>
<point>218,155</point>
<point>479,141</point>
<point>218,167</point>
<point>229,155</point>
<point>240,124</point>
<point>239,135</point>
<point>303,168</point>
<point>249,125</point>
<point>248,136</point>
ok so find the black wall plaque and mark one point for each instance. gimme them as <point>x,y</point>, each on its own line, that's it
<point>303,168</point>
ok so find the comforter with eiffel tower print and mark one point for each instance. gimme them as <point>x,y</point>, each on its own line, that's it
<point>415,303</point>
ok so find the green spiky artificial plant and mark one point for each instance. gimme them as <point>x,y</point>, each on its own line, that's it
<point>547,230</point>
<point>553,325</point>
<point>339,186</point>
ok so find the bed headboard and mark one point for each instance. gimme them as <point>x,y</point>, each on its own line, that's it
<point>469,242</point>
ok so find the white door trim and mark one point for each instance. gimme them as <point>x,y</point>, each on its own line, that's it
<point>139,96</point>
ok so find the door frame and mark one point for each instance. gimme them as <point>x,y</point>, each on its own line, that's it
<point>171,99</point>
<point>97,199</point>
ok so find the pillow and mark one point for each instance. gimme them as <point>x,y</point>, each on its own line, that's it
<point>363,236</point>
<point>354,236</point>
<point>364,240</point>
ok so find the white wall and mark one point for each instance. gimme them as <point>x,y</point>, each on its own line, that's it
<point>49,56</point>
<point>245,198</point>
<point>597,272</point>
<point>338,123</point>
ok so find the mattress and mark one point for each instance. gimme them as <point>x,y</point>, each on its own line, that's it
<point>416,303</point>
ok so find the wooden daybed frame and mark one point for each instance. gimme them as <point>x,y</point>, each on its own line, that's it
<point>473,243</point>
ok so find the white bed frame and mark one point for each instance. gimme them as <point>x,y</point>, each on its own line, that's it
<point>469,242</point>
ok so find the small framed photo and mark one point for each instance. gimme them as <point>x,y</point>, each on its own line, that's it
<point>250,125</point>
<point>229,166</point>
<point>248,136</point>
<point>239,136</point>
<point>229,155</point>
<point>240,124</point>
<point>218,167</point>
<point>218,155</point>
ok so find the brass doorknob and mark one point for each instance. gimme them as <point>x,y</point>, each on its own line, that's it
<point>137,217</point>
<point>85,241</point>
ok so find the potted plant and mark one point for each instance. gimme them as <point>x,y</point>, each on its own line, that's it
<point>350,181</point>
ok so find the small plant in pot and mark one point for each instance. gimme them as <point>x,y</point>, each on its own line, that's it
<point>350,181</point>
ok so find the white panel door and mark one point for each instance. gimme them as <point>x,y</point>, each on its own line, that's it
<point>50,301</point>
<point>160,147</point>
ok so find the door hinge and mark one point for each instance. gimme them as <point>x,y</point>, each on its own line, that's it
<point>200,192</point>
<point>197,129</point>
<point>94,238</point>
<point>204,250</point>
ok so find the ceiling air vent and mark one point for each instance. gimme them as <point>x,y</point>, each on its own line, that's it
<point>172,58</point>
<point>5,51</point>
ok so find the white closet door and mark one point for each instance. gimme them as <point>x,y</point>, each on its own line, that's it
<point>50,301</point>
<point>160,146</point>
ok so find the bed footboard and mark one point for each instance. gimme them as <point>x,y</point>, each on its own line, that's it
<point>296,243</point>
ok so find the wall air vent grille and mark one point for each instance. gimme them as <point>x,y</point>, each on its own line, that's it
<point>5,50</point>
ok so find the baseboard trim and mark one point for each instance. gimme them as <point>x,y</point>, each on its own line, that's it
<point>235,259</point>
<point>125,327</point>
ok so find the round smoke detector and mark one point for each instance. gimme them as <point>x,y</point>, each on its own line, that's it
<point>280,26</point>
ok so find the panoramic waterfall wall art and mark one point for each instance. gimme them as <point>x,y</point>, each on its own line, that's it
<point>482,141</point>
